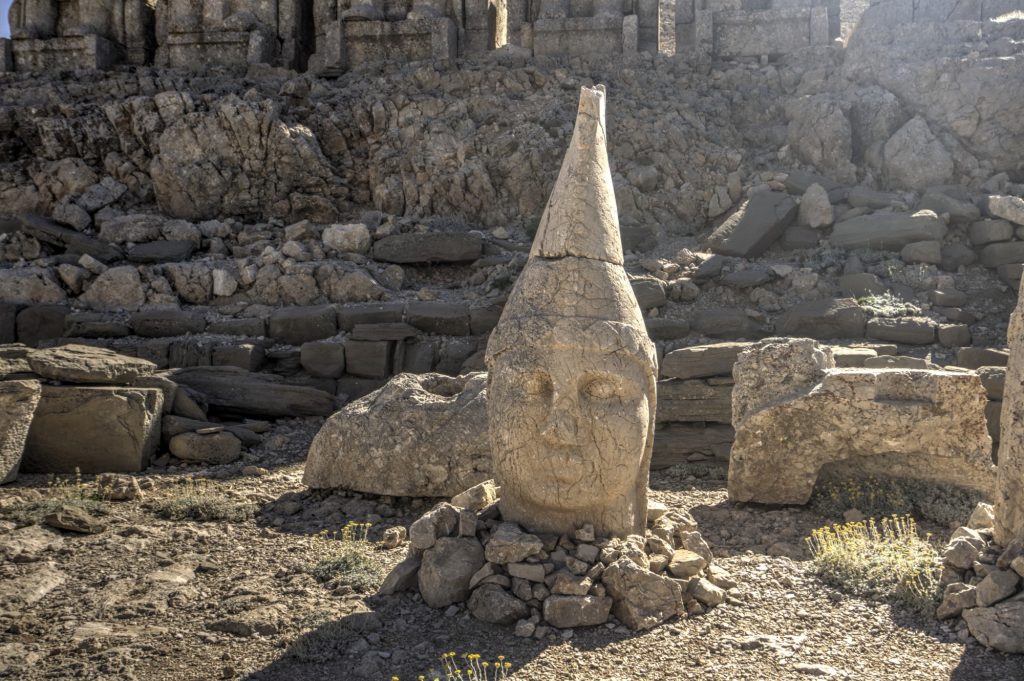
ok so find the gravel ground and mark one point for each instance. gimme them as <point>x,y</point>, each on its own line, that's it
<point>151,598</point>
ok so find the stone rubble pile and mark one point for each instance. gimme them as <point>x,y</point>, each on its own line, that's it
<point>462,553</point>
<point>983,584</point>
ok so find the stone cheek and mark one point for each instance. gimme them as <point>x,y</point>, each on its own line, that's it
<point>569,431</point>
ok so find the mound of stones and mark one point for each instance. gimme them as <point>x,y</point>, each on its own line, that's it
<point>463,552</point>
<point>984,584</point>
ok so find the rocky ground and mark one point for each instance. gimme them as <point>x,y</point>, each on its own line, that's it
<point>153,598</point>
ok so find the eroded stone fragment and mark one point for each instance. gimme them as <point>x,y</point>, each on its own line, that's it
<point>794,412</point>
<point>18,400</point>
<point>571,379</point>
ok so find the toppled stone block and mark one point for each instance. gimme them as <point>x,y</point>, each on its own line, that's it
<point>888,231</point>
<point>236,391</point>
<point>822,319</point>
<point>93,429</point>
<point>794,412</point>
<point>755,226</point>
<point>702,361</point>
<point>297,325</point>
<point>428,247</point>
<point>86,364</point>
<point>909,330</point>
<point>420,435</point>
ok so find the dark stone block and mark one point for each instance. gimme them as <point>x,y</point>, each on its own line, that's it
<point>445,319</point>
<point>428,247</point>
<point>37,323</point>
<point>822,319</point>
<point>649,293</point>
<point>94,325</point>
<point>8,322</point>
<point>251,327</point>
<point>369,359</point>
<point>323,358</point>
<point>161,251</point>
<point>355,387</point>
<point>369,313</point>
<point>755,226</point>
<point>483,319</point>
<point>298,325</point>
<point>163,323</point>
<point>382,331</point>
<point>248,356</point>
<point>667,329</point>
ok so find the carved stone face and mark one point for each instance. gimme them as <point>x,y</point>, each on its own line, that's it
<point>573,428</point>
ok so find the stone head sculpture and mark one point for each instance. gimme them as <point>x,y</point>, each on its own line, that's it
<point>571,386</point>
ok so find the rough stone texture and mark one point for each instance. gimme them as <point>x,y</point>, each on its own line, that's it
<point>419,435</point>
<point>86,364</point>
<point>447,568</point>
<point>755,226</point>
<point>1000,627</point>
<point>18,400</point>
<point>571,378</point>
<point>915,159</point>
<point>115,430</point>
<point>119,288</point>
<point>234,390</point>
<point>213,448</point>
<point>702,361</point>
<point>567,612</point>
<point>491,603</point>
<point>642,599</point>
<point>888,231</point>
<point>827,318</point>
<point>1009,499</point>
<point>794,412</point>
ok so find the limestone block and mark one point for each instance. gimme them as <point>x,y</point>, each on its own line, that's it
<point>86,364</point>
<point>701,361</point>
<point>236,391</point>
<point>297,325</point>
<point>420,435</point>
<point>888,231</point>
<point>822,319</point>
<point>18,401</point>
<point>694,400</point>
<point>428,247</point>
<point>794,413</point>
<point>1009,500</point>
<point>93,429</point>
<point>578,36</point>
<point>755,226</point>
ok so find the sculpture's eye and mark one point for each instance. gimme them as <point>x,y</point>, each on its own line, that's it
<point>600,389</point>
<point>537,385</point>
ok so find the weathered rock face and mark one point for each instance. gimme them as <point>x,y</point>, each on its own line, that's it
<point>1009,501</point>
<point>96,430</point>
<point>235,390</point>
<point>241,135</point>
<point>18,400</point>
<point>420,435</point>
<point>794,412</point>
<point>571,378</point>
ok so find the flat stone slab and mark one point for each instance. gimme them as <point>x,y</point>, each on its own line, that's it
<point>888,231</point>
<point>235,390</point>
<point>88,365</point>
<point>755,226</point>
<point>428,247</point>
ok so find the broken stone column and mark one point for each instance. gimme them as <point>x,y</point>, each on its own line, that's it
<point>1009,502</point>
<point>572,372</point>
<point>794,413</point>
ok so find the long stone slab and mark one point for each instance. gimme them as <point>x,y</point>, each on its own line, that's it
<point>234,390</point>
<point>93,429</point>
<point>693,401</point>
<point>701,361</point>
<point>888,231</point>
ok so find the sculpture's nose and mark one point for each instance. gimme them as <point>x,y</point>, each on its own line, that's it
<point>560,429</point>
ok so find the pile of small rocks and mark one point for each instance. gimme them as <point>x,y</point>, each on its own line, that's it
<point>983,585</point>
<point>463,552</point>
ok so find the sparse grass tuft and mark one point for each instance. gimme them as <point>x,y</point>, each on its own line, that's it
<point>352,565</point>
<point>887,305</point>
<point>877,497</point>
<point>69,491</point>
<point>199,500</point>
<point>884,559</point>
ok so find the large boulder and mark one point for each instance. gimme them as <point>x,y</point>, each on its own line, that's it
<point>420,435</point>
<point>642,599</point>
<point>1000,627</point>
<point>18,400</point>
<point>93,430</point>
<point>794,412</point>
<point>915,159</point>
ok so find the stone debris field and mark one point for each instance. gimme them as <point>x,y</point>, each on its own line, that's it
<point>486,340</point>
